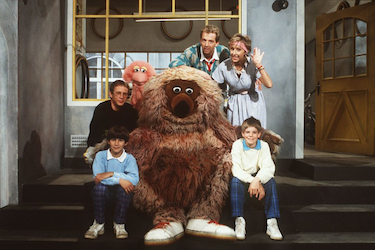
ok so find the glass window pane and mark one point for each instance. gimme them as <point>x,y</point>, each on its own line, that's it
<point>344,48</point>
<point>338,29</point>
<point>327,50</point>
<point>119,58</point>
<point>344,67</point>
<point>159,60</point>
<point>327,69</point>
<point>131,57</point>
<point>327,35</point>
<point>93,73</point>
<point>175,55</point>
<point>361,27</point>
<point>360,65</point>
<point>113,62</point>
<point>361,45</point>
<point>94,89</point>
<point>94,59</point>
<point>117,74</point>
<point>348,27</point>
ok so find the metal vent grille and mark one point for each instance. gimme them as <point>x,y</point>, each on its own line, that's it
<point>78,141</point>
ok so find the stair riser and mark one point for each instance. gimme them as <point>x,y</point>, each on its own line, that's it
<point>306,195</point>
<point>329,221</point>
<point>44,219</point>
<point>331,172</point>
<point>288,194</point>
<point>53,194</point>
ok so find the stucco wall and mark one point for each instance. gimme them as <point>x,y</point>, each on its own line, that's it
<point>40,88</point>
<point>275,33</point>
<point>8,103</point>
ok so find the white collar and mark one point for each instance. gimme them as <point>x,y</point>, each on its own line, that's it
<point>214,56</point>
<point>120,159</point>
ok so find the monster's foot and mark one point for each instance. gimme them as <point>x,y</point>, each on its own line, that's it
<point>207,228</point>
<point>164,233</point>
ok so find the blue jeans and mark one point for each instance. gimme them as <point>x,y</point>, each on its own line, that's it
<point>238,189</point>
<point>101,195</point>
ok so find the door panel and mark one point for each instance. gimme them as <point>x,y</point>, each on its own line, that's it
<point>345,96</point>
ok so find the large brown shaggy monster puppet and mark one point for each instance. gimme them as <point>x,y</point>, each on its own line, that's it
<point>182,147</point>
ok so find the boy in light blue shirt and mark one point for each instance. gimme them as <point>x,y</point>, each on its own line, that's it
<point>115,174</point>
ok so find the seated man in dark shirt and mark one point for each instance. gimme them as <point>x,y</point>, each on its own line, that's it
<point>115,111</point>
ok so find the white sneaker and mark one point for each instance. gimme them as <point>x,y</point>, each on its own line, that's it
<point>273,229</point>
<point>164,233</point>
<point>201,227</point>
<point>240,228</point>
<point>120,231</point>
<point>94,230</point>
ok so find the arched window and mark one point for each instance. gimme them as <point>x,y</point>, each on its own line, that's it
<point>345,48</point>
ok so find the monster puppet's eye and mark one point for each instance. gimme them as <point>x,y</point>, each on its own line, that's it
<point>177,89</point>
<point>136,68</point>
<point>143,69</point>
<point>189,91</point>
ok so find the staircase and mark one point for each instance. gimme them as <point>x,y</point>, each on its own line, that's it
<point>326,203</point>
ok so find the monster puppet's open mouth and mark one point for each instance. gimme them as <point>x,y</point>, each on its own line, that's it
<point>182,106</point>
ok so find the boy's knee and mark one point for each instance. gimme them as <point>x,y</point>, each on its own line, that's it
<point>235,181</point>
<point>100,189</point>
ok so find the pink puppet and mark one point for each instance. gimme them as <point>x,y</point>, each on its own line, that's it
<point>138,72</point>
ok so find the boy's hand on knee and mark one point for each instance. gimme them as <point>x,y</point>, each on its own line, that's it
<point>261,192</point>
<point>127,186</point>
<point>254,188</point>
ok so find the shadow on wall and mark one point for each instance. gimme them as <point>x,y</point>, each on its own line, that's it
<point>30,166</point>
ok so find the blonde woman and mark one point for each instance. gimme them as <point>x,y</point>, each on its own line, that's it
<point>244,76</point>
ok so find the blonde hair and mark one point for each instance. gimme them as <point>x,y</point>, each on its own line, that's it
<point>240,38</point>
<point>211,29</point>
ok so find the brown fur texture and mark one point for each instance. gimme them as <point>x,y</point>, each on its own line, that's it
<point>184,163</point>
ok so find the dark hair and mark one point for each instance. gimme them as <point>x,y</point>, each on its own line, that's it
<point>211,29</point>
<point>251,122</point>
<point>118,132</point>
<point>118,83</point>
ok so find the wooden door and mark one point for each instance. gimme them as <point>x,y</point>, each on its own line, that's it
<point>345,94</point>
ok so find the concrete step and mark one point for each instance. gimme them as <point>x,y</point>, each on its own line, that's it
<point>301,191</point>
<point>62,187</point>
<point>329,218</point>
<point>359,168</point>
<point>44,217</point>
